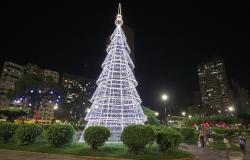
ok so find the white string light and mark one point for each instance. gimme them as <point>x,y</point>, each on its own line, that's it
<point>116,103</point>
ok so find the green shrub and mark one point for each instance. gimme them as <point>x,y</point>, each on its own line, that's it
<point>168,138</point>
<point>149,134</point>
<point>39,130</point>
<point>7,130</point>
<point>45,127</point>
<point>136,137</point>
<point>229,132</point>
<point>238,131</point>
<point>220,130</point>
<point>248,132</point>
<point>60,134</point>
<point>157,129</point>
<point>26,134</point>
<point>218,138</point>
<point>189,135</point>
<point>95,136</point>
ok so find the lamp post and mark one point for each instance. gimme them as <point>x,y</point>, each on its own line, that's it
<point>164,98</point>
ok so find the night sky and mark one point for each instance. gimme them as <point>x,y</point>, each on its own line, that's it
<point>171,39</point>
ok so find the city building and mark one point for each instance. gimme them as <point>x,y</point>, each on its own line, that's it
<point>78,90</point>
<point>52,74</point>
<point>78,93</point>
<point>31,68</point>
<point>11,73</point>
<point>214,87</point>
<point>241,97</point>
<point>34,69</point>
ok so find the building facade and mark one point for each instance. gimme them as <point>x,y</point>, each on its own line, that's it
<point>241,97</point>
<point>31,68</point>
<point>78,93</point>
<point>244,100</point>
<point>52,74</point>
<point>11,73</point>
<point>214,87</point>
<point>34,69</point>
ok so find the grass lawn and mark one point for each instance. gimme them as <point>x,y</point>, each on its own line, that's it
<point>109,150</point>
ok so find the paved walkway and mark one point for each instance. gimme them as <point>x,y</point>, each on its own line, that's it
<point>22,155</point>
<point>209,154</point>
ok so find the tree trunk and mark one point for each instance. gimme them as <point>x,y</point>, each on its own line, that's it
<point>94,147</point>
<point>36,115</point>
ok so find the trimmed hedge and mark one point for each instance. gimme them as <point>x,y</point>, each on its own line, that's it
<point>218,138</point>
<point>158,128</point>
<point>7,130</point>
<point>168,138</point>
<point>149,134</point>
<point>229,132</point>
<point>215,119</point>
<point>95,136</point>
<point>136,137</point>
<point>27,134</point>
<point>219,130</point>
<point>60,134</point>
<point>189,135</point>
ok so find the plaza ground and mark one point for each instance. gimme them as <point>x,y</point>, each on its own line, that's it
<point>199,153</point>
<point>82,151</point>
<point>212,154</point>
<point>42,151</point>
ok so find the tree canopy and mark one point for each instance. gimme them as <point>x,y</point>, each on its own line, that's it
<point>215,119</point>
<point>244,119</point>
<point>151,116</point>
<point>32,81</point>
<point>13,113</point>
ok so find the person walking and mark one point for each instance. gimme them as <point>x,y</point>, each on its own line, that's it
<point>227,142</point>
<point>202,139</point>
<point>210,137</point>
<point>242,141</point>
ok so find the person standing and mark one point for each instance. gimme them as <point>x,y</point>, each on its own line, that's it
<point>242,141</point>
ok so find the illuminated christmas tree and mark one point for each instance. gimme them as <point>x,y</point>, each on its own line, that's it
<point>116,103</point>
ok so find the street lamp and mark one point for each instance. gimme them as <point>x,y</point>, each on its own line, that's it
<point>231,109</point>
<point>183,113</point>
<point>156,114</point>
<point>164,98</point>
<point>55,107</point>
